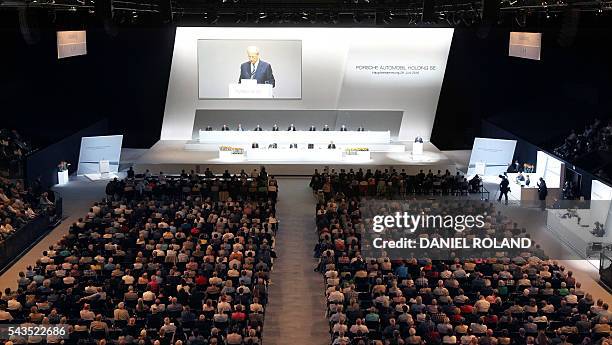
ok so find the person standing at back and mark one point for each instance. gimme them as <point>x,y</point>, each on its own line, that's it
<point>504,188</point>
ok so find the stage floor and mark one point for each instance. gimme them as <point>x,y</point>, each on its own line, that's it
<point>170,156</point>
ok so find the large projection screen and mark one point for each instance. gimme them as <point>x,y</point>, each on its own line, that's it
<point>221,62</point>
<point>342,69</point>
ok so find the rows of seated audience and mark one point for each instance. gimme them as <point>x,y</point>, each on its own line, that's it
<point>489,300</point>
<point>13,149</point>
<point>392,183</point>
<point>19,205</point>
<point>596,136</point>
<point>257,183</point>
<point>162,260</point>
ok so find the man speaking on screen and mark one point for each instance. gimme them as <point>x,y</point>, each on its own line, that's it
<point>256,68</point>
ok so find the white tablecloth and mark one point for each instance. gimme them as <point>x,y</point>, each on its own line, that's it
<point>290,137</point>
<point>298,155</point>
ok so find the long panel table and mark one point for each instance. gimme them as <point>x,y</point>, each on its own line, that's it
<point>290,137</point>
<point>299,155</point>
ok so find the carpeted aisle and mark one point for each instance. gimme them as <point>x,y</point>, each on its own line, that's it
<point>296,311</point>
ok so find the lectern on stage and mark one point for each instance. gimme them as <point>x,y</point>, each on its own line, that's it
<point>248,88</point>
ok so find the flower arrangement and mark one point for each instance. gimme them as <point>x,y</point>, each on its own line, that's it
<point>355,150</point>
<point>63,166</point>
<point>234,150</point>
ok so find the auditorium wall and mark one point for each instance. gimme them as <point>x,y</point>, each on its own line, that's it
<point>537,100</point>
<point>123,78</point>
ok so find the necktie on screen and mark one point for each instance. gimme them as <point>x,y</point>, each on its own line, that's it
<point>252,71</point>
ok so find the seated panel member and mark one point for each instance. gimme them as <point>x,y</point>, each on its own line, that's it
<point>208,128</point>
<point>312,128</point>
<point>225,128</point>
<point>291,128</point>
<point>255,146</point>
<point>240,129</point>
<point>343,128</point>
<point>275,128</point>
<point>361,129</point>
<point>258,128</point>
<point>326,128</point>
<point>256,68</point>
<point>331,145</point>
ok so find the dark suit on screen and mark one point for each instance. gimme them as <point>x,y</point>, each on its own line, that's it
<point>263,73</point>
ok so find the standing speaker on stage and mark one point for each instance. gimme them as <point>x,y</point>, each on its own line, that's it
<point>256,68</point>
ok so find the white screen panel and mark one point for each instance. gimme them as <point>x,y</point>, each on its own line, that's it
<point>71,43</point>
<point>525,45</point>
<point>96,149</point>
<point>495,154</point>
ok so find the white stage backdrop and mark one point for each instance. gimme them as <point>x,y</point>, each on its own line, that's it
<point>398,69</point>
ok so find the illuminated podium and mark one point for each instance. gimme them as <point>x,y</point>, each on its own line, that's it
<point>249,88</point>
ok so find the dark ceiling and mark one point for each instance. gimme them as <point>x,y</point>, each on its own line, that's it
<point>303,13</point>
